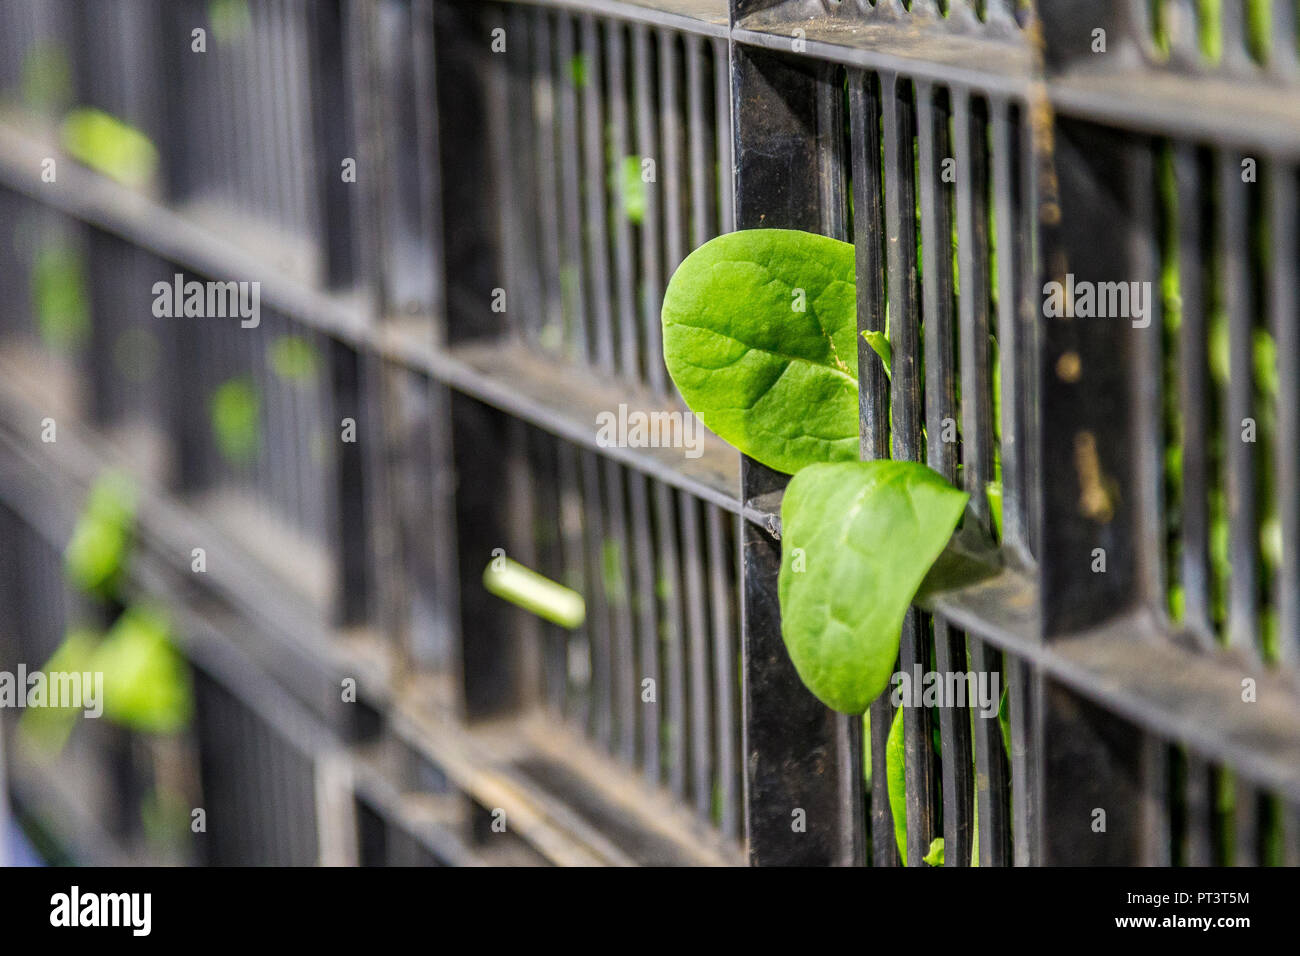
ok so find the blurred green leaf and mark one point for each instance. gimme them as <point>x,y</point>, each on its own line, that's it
<point>48,728</point>
<point>146,683</point>
<point>109,145</point>
<point>113,497</point>
<point>633,191</point>
<point>611,557</point>
<point>578,70</point>
<point>97,553</point>
<point>1177,602</point>
<point>230,19</point>
<point>1174,465</point>
<point>1211,29</point>
<point>1259,29</point>
<point>1270,540</point>
<point>58,285</point>
<point>294,358</point>
<point>235,409</point>
<point>1265,358</point>
<point>896,778</point>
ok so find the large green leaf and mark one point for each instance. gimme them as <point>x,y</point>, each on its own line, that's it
<point>760,336</point>
<point>857,540</point>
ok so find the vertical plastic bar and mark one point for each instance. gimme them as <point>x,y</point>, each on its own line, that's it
<point>941,414</point>
<point>595,171</point>
<point>873,391</point>
<point>724,669</point>
<point>644,589</point>
<point>1243,520</point>
<point>573,285</point>
<point>1194,397</point>
<point>648,148</point>
<point>616,93</point>
<point>697,644</point>
<point>1284,309</point>
<point>665,516</point>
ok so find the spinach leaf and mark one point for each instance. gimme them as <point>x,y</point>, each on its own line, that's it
<point>993,489</point>
<point>896,777</point>
<point>935,856</point>
<point>858,538</point>
<point>760,330</point>
<point>879,343</point>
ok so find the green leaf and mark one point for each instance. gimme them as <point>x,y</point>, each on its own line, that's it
<point>95,555</point>
<point>48,728</point>
<point>994,491</point>
<point>627,183</point>
<point>578,70</point>
<point>858,538</point>
<point>896,778</point>
<point>231,20</point>
<point>879,343</point>
<point>236,425</point>
<point>1211,29</point>
<point>109,145</point>
<point>611,561</point>
<point>294,359</point>
<point>59,297</point>
<point>97,552</point>
<point>760,337</point>
<point>1265,359</point>
<point>935,856</point>
<point>146,684</point>
<point>1270,541</point>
